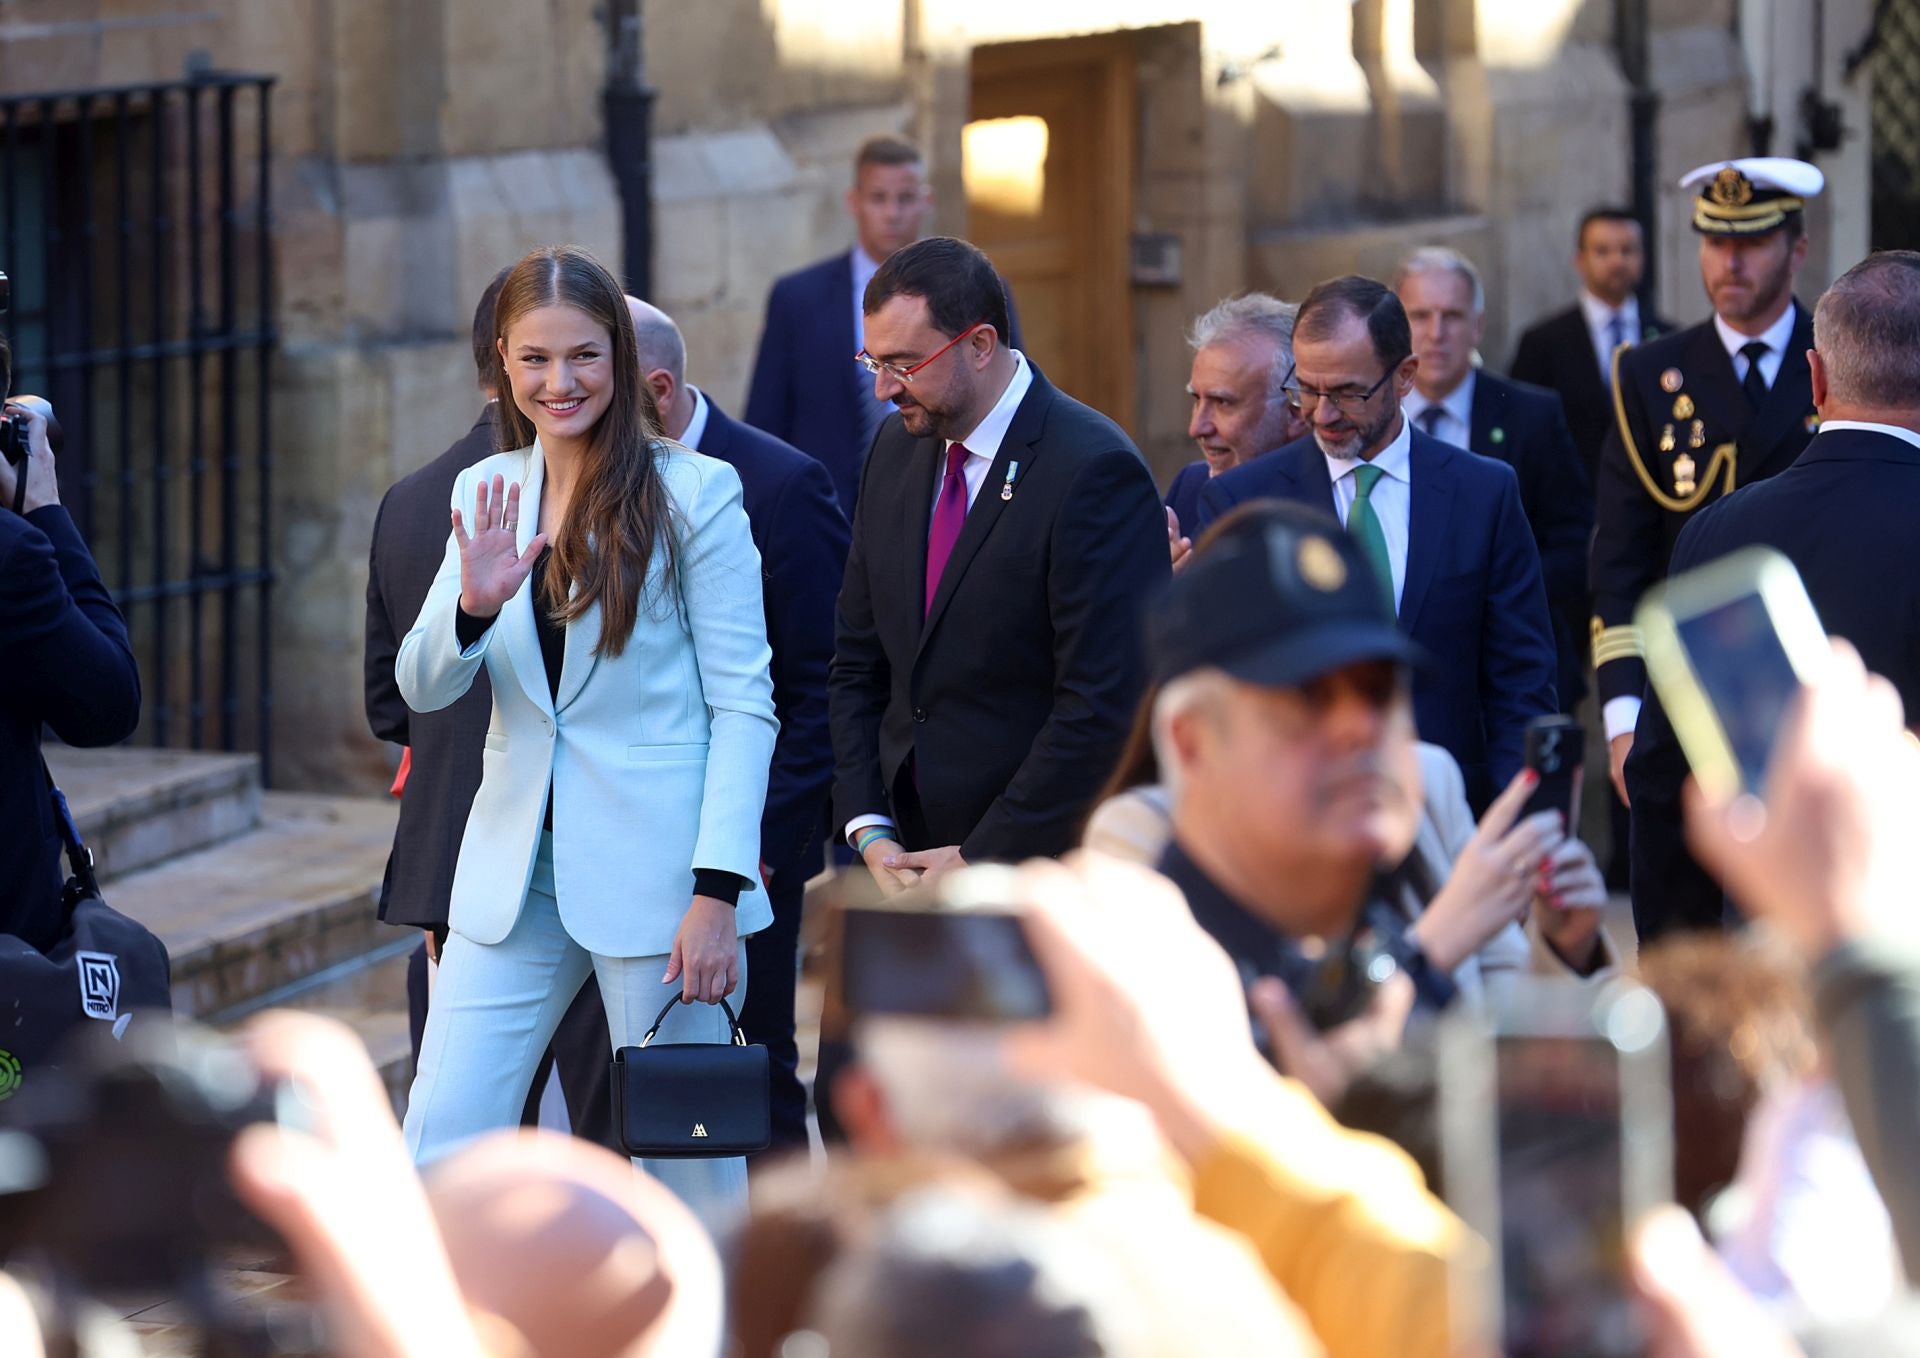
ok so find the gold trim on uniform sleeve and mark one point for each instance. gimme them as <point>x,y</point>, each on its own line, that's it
<point>1619,642</point>
<point>1726,454</point>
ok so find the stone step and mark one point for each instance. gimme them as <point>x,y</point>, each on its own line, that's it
<point>295,895</point>
<point>367,993</point>
<point>139,807</point>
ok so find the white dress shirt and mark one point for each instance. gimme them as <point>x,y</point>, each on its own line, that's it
<point>1392,497</point>
<point>983,446</point>
<point>1776,338</point>
<point>697,426</point>
<point>1899,431</point>
<point>1600,327</point>
<point>1620,715</point>
<point>1456,420</point>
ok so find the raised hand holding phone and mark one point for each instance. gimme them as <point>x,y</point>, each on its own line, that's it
<point>1729,646</point>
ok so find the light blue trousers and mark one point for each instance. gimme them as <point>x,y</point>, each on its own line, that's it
<point>494,1011</point>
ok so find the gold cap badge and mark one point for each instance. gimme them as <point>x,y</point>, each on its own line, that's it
<point>1730,188</point>
<point>1320,564</point>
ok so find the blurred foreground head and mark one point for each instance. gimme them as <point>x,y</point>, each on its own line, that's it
<point>1283,719</point>
<point>581,1254</point>
<point>949,1273</point>
<point>1741,1026</point>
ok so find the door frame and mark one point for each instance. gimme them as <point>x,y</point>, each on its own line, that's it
<point>1110,249</point>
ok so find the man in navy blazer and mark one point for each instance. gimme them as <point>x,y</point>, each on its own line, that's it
<point>1242,355</point>
<point>1571,351</point>
<point>65,663</point>
<point>802,537</point>
<point>1445,525</point>
<point>1843,513</point>
<point>806,388</point>
<point>1520,425</point>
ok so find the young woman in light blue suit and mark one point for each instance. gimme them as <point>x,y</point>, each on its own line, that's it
<point>608,582</point>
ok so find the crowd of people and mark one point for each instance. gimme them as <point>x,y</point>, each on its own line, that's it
<point>1260,740</point>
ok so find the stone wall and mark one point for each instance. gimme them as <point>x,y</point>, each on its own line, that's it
<point>417,152</point>
<point>422,144</point>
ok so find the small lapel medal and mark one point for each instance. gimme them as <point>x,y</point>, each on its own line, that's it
<point>1006,486</point>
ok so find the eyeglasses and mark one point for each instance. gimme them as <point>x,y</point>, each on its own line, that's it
<point>905,375</point>
<point>1304,399</point>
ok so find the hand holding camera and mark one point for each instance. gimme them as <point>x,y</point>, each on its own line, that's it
<point>27,479</point>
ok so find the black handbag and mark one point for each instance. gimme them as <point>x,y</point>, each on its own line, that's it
<point>692,1100</point>
<point>104,968</point>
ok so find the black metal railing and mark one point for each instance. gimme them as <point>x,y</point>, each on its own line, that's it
<point>1896,125</point>
<point>136,227</point>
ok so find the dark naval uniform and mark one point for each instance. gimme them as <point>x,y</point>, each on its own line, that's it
<point>1689,427</point>
<point>1684,435</point>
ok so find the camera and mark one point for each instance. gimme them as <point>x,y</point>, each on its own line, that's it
<point>114,1180</point>
<point>13,424</point>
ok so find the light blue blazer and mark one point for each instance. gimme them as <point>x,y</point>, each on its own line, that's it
<point>658,758</point>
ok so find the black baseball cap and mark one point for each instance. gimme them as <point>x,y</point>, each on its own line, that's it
<point>1280,597</point>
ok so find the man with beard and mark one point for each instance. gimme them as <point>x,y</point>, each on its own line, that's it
<point>1442,527</point>
<point>1242,353</point>
<point>1721,404</point>
<point>986,659</point>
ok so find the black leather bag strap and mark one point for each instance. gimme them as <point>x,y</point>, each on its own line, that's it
<point>733,1024</point>
<point>79,856</point>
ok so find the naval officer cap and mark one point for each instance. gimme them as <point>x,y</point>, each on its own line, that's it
<point>1750,196</point>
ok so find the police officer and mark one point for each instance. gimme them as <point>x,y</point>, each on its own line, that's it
<point>1703,410</point>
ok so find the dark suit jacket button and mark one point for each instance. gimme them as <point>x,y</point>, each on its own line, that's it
<point>919,714</point>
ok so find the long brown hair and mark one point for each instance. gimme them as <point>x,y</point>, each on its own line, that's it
<point>620,513</point>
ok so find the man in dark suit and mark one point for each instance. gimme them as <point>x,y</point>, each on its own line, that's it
<point>1520,425</point>
<point>1242,353</point>
<point>65,663</point>
<point>443,748</point>
<point>1444,525</point>
<point>1571,351</point>
<point>806,388</point>
<point>1721,404</point>
<point>987,660</point>
<point>1843,513</point>
<point>802,537</point>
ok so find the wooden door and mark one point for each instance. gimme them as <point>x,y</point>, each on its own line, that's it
<point>1049,176</point>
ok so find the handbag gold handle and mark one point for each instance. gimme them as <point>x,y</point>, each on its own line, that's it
<point>733,1024</point>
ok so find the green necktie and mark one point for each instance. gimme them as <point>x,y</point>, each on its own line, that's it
<point>1364,524</point>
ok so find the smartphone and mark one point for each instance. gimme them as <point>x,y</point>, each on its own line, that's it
<point>1556,749</point>
<point>1728,647</point>
<point>1556,1136</point>
<point>957,951</point>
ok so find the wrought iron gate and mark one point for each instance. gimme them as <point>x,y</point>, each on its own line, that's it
<point>135,226</point>
<point>1896,125</point>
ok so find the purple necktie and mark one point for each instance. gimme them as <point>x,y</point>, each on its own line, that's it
<point>949,515</point>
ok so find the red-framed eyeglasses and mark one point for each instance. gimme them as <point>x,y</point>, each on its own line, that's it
<point>905,375</point>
